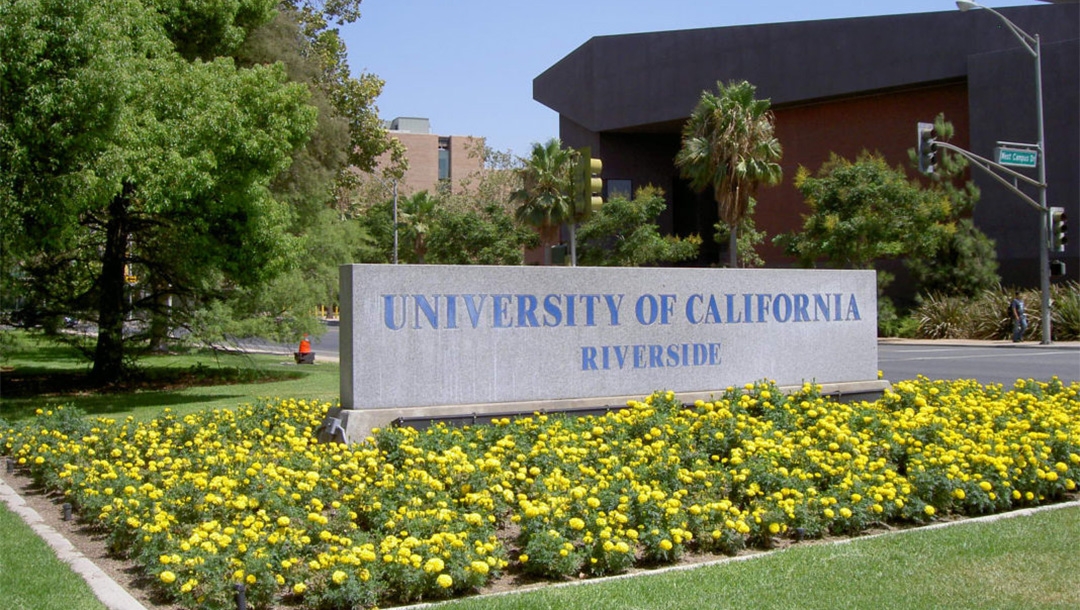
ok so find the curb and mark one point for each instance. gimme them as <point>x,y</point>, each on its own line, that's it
<point>107,590</point>
<point>1023,512</point>
<point>1003,343</point>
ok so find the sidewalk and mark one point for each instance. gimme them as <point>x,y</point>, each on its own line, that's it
<point>1070,345</point>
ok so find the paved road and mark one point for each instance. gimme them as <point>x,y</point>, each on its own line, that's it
<point>987,361</point>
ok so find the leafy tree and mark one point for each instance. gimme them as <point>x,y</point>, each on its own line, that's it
<point>545,199</point>
<point>966,264</point>
<point>728,143</point>
<point>863,211</point>
<point>122,158</point>
<point>624,233</point>
<point>478,237</point>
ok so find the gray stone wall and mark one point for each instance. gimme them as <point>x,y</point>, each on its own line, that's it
<point>429,335</point>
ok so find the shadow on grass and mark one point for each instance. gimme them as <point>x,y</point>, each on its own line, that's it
<point>25,389</point>
<point>18,409</point>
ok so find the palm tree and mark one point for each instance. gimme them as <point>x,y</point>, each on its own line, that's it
<point>545,198</point>
<point>416,213</point>
<point>728,143</point>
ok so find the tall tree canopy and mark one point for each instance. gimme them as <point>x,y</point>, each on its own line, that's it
<point>966,264</point>
<point>129,146</point>
<point>728,144</point>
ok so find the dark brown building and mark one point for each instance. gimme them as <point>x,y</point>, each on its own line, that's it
<point>843,86</point>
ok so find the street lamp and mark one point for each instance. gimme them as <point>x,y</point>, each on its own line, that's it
<point>395,220</point>
<point>1031,44</point>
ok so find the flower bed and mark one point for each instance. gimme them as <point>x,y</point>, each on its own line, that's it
<point>222,497</point>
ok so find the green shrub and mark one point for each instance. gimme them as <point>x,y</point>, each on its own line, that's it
<point>985,317</point>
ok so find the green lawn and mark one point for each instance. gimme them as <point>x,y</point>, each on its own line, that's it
<point>251,377</point>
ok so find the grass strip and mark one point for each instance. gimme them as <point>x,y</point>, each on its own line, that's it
<point>1017,563</point>
<point>32,577</point>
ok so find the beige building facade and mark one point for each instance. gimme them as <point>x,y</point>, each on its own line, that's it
<point>435,161</point>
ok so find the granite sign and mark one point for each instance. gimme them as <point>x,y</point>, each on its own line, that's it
<point>428,335</point>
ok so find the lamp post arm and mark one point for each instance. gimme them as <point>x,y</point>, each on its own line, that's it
<point>1030,43</point>
<point>989,166</point>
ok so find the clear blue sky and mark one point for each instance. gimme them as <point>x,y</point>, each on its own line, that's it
<point>469,65</point>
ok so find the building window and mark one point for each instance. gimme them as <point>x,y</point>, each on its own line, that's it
<point>444,158</point>
<point>620,188</point>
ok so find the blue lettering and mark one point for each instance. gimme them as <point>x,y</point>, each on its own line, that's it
<point>590,308</point>
<point>713,316</point>
<point>527,310</point>
<point>801,303</point>
<point>451,310</point>
<point>714,354</point>
<point>656,353</point>
<point>474,308</point>
<point>731,310</point>
<point>821,307</point>
<point>690,317</point>
<point>430,311</point>
<point>499,303</point>
<point>588,359</point>
<point>667,307</point>
<point>782,307</point>
<point>621,352</point>
<point>649,317</point>
<point>639,356</point>
<point>613,307</point>
<point>853,309</point>
<point>570,321</point>
<point>763,302</point>
<point>389,319</point>
<point>673,355</point>
<point>552,312</point>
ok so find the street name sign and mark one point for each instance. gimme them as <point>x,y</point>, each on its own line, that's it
<point>1018,157</point>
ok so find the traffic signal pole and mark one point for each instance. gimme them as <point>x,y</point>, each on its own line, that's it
<point>992,168</point>
<point>1033,46</point>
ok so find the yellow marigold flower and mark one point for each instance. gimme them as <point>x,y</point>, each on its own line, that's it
<point>480,567</point>
<point>338,577</point>
<point>283,521</point>
<point>665,544</point>
<point>299,588</point>
<point>445,581</point>
<point>576,523</point>
<point>523,558</point>
<point>929,510</point>
<point>167,577</point>
<point>959,494</point>
<point>774,528</point>
<point>985,486</point>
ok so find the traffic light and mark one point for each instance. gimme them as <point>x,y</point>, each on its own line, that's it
<point>589,186</point>
<point>927,148</point>
<point>1058,229</point>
